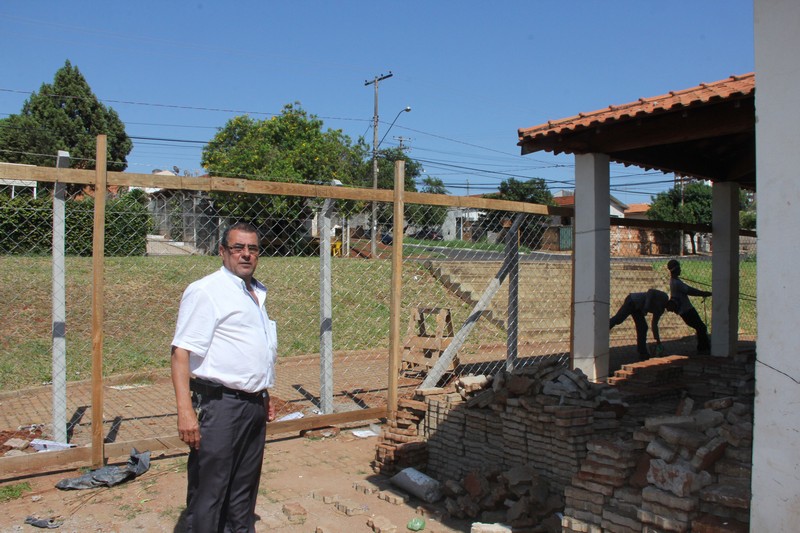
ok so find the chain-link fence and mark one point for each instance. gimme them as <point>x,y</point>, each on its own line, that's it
<point>639,263</point>
<point>481,289</point>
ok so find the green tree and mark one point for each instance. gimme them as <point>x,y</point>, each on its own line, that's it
<point>533,190</point>
<point>64,115</point>
<point>386,160</point>
<point>689,204</point>
<point>747,210</point>
<point>290,147</point>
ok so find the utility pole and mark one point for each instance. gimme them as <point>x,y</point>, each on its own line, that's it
<point>373,234</point>
<point>401,139</point>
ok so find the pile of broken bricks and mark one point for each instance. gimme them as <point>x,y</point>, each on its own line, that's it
<point>684,472</point>
<point>539,415</point>
<point>401,443</point>
<point>518,498</point>
<point>620,467</point>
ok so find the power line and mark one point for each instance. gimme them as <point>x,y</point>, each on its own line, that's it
<point>441,164</point>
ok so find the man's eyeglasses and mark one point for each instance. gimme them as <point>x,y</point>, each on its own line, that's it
<point>240,248</point>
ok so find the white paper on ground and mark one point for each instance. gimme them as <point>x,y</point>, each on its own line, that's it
<point>290,416</point>
<point>364,433</point>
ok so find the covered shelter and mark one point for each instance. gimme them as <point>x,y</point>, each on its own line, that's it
<point>705,132</point>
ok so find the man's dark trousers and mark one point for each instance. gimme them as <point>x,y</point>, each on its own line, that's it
<point>223,476</point>
<point>692,319</point>
<point>629,309</point>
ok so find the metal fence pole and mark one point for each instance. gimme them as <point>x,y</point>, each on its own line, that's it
<point>512,327</point>
<point>325,311</point>
<point>59,376</point>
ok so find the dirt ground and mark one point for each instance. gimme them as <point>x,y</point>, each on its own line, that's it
<point>294,468</point>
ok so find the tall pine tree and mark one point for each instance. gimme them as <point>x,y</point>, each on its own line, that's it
<point>64,115</point>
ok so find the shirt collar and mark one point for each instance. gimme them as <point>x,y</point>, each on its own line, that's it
<point>240,282</point>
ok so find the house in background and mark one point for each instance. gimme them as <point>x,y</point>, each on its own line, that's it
<point>566,198</point>
<point>460,223</point>
<point>637,211</point>
<point>558,237</point>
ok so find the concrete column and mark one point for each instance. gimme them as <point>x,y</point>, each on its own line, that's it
<point>592,266</point>
<point>776,470</point>
<point>725,270</point>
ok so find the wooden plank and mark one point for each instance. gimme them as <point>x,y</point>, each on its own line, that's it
<point>395,347</point>
<point>224,184</point>
<point>59,460</point>
<point>313,422</point>
<point>43,461</point>
<point>428,343</point>
<point>213,183</point>
<point>98,261</point>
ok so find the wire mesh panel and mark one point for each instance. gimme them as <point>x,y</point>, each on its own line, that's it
<point>45,305</point>
<point>639,262</point>
<point>481,290</point>
<point>484,272</point>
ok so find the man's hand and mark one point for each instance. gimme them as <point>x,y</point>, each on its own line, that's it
<point>189,428</point>
<point>270,407</point>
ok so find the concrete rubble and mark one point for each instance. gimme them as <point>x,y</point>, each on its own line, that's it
<point>666,448</point>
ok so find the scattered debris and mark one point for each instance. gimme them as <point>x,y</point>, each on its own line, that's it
<point>108,476</point>
<point>45,523</point>
<point>416,524</point>
<point>42,445</point>
<point>420,485</point>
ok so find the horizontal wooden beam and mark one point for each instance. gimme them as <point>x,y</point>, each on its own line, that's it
<point>236,185</point>
<point>661,224</point>
<point>78,457</point>
<point>314,422</point>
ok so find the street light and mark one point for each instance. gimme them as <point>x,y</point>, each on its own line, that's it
<point>375,145</point>
<point>406,110</point>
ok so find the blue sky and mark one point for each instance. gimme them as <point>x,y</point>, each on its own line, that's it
<point>472,71</point>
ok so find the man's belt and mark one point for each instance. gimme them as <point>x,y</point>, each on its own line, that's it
<point>211,389</point>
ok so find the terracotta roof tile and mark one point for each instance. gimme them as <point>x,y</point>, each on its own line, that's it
<point>564,201</point>
<point>733,86</point>
<point>637,208</point>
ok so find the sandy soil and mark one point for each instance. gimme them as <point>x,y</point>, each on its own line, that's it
<point>294,468</point>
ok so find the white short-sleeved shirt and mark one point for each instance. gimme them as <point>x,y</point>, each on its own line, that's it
<point>229,336</point>
<point>679,291</point>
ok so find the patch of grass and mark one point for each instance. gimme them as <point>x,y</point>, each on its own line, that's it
<point>172,513</point>
<point>180,465</point>
<point>13,492</point>
<point>142,295</point>
<point>130,511</point>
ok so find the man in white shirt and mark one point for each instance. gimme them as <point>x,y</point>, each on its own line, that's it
<point>223,360</point>
<point>680,304</point>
